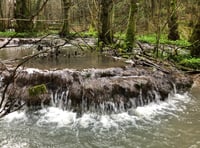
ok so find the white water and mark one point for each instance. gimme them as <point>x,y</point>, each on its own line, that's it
<point>162,124</point>
<point>63,118</point>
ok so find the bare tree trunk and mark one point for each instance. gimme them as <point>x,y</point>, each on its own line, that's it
<point>158,29</point>
<point>153,8</point>
<point>105,30</point>
<point>39,25</point>
<point>93,11</point>
<point>195,39</point>
<point>25,14</point>
<point>65,29</point>
<point>131,28</point>
<point>147,14</point>
<point>22,14</point>
<point>2,24</point>
<point>173,21</point>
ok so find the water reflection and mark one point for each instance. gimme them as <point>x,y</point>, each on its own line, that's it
<point>68,57</point>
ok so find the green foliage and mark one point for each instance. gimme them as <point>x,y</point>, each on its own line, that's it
<point>120,36</point>
<point>191,63</point>
<point>21,34</point>
<point>151,38</point>
<point>90,33</point>
<point>180,57</point>
<point>37,90</point>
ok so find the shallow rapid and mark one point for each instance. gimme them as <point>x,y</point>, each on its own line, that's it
<point>173,123</point>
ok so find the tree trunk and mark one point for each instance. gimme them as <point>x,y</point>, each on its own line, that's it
<point>173,21</point>
<point>131,28</point>
<point>2,26</point>
<point>65,28</point>
<point>22,14</point>
<point>195,39</point>
<point>40,25</point>
<point>147,8</point>
<point>105,36</point>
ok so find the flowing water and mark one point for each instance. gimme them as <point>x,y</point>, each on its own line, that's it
<point>174,123</point>
<point>171,124</point>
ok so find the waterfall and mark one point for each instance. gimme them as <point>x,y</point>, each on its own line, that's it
<point>61,99</point>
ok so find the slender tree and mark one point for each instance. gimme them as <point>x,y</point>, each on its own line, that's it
<point>65,28</point>
<point>131,28</point>
<point>93,11</point>
<point>173,21</point>
<point>195,39</point>
<point>105,33</point>
<point>39,25</point>
<point>2,26</point>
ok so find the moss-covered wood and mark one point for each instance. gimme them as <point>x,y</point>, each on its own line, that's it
<point>131,28</point>
<point>37,90</point>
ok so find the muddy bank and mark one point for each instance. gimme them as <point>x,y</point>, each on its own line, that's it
<point>91,89</point>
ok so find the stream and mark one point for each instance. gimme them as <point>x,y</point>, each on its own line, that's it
<point>170,124</point>
<point>174,123</point>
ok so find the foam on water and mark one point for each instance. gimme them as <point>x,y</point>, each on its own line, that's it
<point>16,116</point>
<point>14,144</point>
<point>56,115</point>
<point>148,113</point>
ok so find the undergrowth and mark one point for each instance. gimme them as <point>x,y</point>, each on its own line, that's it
<point>151,38</point>
<point>193,63</point>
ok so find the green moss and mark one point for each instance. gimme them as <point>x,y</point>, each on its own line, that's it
<point>191,63</point>
<point>37,90</point>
